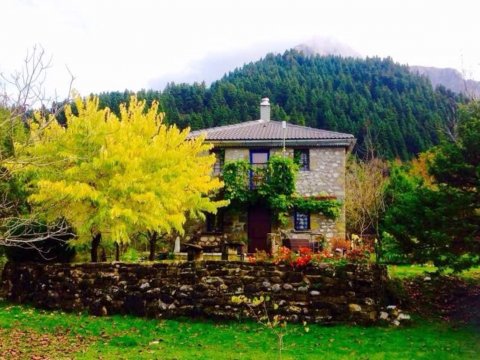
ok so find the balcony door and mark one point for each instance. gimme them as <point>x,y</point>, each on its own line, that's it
<point>258,159</point>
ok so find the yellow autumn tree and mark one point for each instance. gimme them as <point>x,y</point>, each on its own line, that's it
<point>110,177</point>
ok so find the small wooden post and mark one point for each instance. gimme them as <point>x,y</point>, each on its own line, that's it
<point>194,252</point>
<point>229,249</point>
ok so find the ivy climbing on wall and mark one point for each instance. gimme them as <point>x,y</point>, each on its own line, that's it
<point>276,190</point>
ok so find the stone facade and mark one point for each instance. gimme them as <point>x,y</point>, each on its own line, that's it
<point>325,177</point>
<point>234,154</point>
<point>326,174</point>
<point>321,294</point>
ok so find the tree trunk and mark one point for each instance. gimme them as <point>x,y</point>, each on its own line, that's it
<point>103,255</point>
<point>152,240</point>
<point>94,251</point>
<point>117,252</point>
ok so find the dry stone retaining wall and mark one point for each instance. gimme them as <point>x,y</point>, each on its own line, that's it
<point>320,294</point>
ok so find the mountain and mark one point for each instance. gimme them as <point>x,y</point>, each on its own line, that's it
<point>372,98</point>
<point>450,78</point>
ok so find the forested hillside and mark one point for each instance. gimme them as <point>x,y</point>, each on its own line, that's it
<point>375,97</point>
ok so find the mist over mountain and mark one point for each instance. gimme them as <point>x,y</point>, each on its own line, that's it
<point>216,64</point>
<point>450,78</point>
<point>325,46</point>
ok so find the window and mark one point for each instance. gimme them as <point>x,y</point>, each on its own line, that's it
<point>301,220</point>
<point>302,158</point>
<point>219,160</point>
<point>214,222</point>
<point>258,159</point>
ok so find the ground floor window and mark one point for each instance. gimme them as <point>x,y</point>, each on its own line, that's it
<point>301,220</point>
<point>214,222</point>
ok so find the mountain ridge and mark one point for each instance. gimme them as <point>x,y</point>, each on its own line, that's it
<point>450,78</point>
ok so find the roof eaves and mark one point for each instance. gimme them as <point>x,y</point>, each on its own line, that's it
<point>348,143</point>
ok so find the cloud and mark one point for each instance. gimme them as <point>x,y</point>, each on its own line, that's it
<point>216,64</point>
<point>323,45</point>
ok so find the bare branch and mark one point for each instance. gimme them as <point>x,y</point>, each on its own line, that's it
<point>365,197</point>
<point>20,92</point>
<point>24,234</point>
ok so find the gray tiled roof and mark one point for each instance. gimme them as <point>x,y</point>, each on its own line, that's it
<point>268,130</point>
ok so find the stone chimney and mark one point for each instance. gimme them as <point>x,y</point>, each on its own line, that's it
<point>265,109</point>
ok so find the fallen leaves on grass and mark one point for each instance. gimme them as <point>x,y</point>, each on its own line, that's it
<point>29,344</point>
<point>447,297</point>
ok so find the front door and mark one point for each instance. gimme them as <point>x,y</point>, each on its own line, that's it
<point>259,225</point>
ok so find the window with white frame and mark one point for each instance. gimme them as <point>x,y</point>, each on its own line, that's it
<point>301,220</point>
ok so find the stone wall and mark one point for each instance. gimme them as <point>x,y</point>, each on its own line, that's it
<point>234,154</point>
<point>321,294</point>
<point>326,175</point>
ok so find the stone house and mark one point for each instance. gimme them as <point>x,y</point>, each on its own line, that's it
<point>322,158</point>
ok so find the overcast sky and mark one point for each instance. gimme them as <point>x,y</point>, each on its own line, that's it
<point>114,45</point>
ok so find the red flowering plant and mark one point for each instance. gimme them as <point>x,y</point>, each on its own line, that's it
<point>283,256</point>
<point>297,260</point>
<point>323,257</point>
<point>304,257</point>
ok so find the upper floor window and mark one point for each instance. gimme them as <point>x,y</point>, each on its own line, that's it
<point>302,158</point>
<point>219,160</point>
<point>301,220</point>
<point>258,159</point>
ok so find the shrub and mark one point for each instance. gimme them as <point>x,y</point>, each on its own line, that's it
<point>357,256</point>
<point>340,243</point>
<point>392,252</point>
<point>55,249</point>
<point>260,255</point>
<point>131,255</point>
<point>50,251</point>
<point>3,258</point>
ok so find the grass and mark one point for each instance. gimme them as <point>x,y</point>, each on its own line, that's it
<point>409,271</point>
<point>26,333</point>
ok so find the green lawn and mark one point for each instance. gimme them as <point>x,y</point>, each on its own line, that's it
<point>25,332</point>
<point>407,271</point>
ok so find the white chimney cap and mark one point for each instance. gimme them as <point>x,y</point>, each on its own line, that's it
<point>265,109</point>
